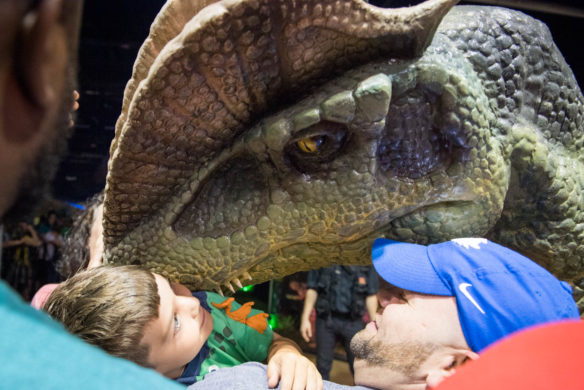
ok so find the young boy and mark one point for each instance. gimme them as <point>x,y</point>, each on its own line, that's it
<point>139,315</point>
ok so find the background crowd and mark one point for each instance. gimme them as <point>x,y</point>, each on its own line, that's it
<point>32,249</point>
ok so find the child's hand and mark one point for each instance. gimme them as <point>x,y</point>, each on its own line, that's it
<point>293,371</point>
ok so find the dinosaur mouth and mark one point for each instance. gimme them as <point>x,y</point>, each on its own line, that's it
<point>356,251</point>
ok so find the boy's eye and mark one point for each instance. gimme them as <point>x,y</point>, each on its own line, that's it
<point>176,324</point>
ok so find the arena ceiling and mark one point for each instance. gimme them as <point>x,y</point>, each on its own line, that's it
<point>113,31</point>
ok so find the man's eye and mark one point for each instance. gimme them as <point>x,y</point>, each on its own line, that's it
<point>176,324</point>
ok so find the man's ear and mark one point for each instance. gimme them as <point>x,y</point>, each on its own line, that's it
<point>448,365</point>
<point>43,48</point>
<point>38,70</point>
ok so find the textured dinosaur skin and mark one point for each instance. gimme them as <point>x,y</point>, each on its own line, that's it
<point>475,130</point>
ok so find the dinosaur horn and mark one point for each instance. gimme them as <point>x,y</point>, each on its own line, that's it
<point>230,63</point>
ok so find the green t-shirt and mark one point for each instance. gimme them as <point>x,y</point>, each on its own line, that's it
<point>240,334</point>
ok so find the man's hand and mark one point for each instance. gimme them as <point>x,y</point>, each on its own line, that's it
<point>306,329</point>
<point>293,371</point>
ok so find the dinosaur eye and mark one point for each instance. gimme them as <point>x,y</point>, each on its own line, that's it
<point>311,144</point>
<point>316,145</point>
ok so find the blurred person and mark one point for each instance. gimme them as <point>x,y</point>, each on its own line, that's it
<point>38,59</point>
<point>543,357</point>
<point>20,253</point>
<point>82,249</point>
<point>51,249</point>
<point>292,291</point>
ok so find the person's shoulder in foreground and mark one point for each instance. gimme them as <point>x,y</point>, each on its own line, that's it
<point>251,376</point>
<point>38,353</point>
<point>38,46</point>
<point>544,357</point>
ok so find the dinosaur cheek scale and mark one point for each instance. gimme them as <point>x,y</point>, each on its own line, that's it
<point>261,138</point>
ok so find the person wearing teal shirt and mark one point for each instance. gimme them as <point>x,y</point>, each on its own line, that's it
<point>38,56</point>
<point>38,353</point>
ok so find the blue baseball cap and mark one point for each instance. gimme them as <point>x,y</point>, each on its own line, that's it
<point>497,291</point>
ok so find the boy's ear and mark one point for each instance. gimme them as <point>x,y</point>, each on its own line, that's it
<point>39,69</point>
<point>448,366</point>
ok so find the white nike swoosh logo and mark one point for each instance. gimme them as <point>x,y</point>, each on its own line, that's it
<point>463,287</point>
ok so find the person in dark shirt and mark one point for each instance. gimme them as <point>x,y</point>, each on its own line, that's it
<point>341,296</point>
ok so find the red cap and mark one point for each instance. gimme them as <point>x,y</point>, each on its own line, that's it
<point>542,357</point>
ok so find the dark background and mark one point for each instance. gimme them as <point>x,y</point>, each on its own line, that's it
<point>113,31</point>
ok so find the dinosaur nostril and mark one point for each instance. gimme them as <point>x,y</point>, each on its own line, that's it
<point>412,145</point>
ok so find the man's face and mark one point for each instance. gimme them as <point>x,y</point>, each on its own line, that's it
<point>412,335</point>
<point>179,332</point>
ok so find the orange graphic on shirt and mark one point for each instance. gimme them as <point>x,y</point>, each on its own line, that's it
<point>258,321</point>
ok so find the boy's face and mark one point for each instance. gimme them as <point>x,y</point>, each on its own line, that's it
<point>179,332</point>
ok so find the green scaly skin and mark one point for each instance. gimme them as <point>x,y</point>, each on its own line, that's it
<point>482,135</point>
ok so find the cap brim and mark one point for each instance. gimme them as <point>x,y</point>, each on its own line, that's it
<point>407,266</point>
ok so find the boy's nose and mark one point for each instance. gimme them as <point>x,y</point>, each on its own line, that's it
<point>189,305</point>
<point>194,306</point>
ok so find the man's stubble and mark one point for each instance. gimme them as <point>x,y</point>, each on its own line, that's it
<point>403,357</point>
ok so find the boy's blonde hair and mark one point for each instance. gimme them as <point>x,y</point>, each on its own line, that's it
<point>108,306</point>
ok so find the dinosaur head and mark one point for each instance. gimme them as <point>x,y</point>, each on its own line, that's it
<point>211,177</point>
<point>261,138</point>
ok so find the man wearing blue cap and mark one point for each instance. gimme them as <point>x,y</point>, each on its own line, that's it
<point>444,303</point>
